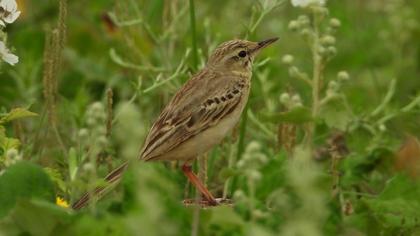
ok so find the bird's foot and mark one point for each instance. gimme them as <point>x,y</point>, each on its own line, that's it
<point>204,203</point>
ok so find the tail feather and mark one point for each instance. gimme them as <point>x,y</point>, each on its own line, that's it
<point>111,178</point>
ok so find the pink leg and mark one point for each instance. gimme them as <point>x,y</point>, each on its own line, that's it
<point>198,184</point>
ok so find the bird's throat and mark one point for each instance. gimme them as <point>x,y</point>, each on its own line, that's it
<point>242,73</point>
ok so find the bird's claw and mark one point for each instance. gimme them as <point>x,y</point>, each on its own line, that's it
<point>204,203</point>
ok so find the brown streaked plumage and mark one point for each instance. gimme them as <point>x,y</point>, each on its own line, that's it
<point>200,114</point>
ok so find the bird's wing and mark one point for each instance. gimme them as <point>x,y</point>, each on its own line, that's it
<point>191,112</point>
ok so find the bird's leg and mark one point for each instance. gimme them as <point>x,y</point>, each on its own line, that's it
<point>198,184</point>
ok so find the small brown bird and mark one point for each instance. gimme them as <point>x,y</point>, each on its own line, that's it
<point>200,114</point>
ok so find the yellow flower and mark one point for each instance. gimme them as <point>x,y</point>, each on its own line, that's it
<point>61,202</point>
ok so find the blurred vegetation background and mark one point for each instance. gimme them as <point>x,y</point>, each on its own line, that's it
<point>97,73</point>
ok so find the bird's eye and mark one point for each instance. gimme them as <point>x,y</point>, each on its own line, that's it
<point>242,54</point>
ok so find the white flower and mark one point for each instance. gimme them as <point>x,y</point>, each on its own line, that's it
<point>8,11</point>
<point>305,3</point>
<point>7,56</point>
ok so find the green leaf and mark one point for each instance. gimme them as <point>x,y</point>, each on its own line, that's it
<point>56,177</point>
<point>23,180</point>
<point>225,216</point>
<point>16,113</point>
<point>9,143</point>
<point>399,204</point>
<point>39,218</point>
<point>2,131</point>
<point>72,163</point>
<point>227,172</point>
<point>297,115</point>
<point>335,114</point>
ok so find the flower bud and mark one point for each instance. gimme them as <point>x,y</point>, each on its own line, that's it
<point>102,141</point>
<point>88,167</point>
<point>18,158</point>
<point>240,163</point>
<point>287,59</point>
<point>343,76</point>
<point>100,130</point>
<point>12,153</point>
<point>83,133</point>
<point>335,23</point>
<point>258,214</point>
<point>284,98</point>
<point>254,175</point>
<point>90,121</point>
<point>328,40</point>
<point>293,25</point>
<point>322,51</point>
<point>331,51</point>
<point>262,158</point>
<point>320,10</point>
<point>333,85</point>
<point>97,107</point>
<point>294,72</point>
<point>253,146</point>
<point>296,100</point>
<point>305,33</point>
<point>382,127</point>
<point>303,20</point>
<point>239,195</point>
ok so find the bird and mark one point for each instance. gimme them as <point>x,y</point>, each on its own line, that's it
<point>199,115</point>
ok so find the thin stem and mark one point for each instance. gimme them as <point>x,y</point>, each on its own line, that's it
<point>254,27</point>
<point>386,100</point>
<point>231,162</point>
<point>202,165</point>
<point>241,142</point>
<point>58,137</point>
<point>251,202</point>
<point>316,73</point>
<point>119,61</point>
<point>260,125</point>
<point>304,77</point>
<point>405,109</point>
<point>109,114</point>
<point>178,71</point>
<point>411,105</point>
<point>335,173</point>
<point>202,175</point>
<point>193,35</point>
<point>242,133</point>
<point>132,99</point>
<point>359,194</point>
<point>316,80</point>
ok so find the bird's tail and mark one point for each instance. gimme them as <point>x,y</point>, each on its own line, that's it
<point>111,179</point>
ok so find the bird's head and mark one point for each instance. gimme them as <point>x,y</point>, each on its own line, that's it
<point>237,55</point>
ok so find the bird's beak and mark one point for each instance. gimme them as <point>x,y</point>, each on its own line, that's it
<point>262,44</point>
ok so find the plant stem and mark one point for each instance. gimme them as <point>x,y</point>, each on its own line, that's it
<point>202,165</point>
<point>231,162</point>
<point>109,113</point>
<point>241,145</point>
<point>316,80</point>
<point>193,35</point>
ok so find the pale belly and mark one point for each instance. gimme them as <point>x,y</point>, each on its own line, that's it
<point>205,140</point>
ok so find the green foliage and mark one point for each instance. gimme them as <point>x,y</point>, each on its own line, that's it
<point>14,114</point>
<point>38,218</point>
<point>297,115</point>
<point>314,154</point>
<point>335,114</point>
<point>23,181</point>
<point>399,204</point>
<point>7,143</point>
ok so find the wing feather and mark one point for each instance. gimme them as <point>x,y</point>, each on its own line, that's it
<point>187,115</point>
